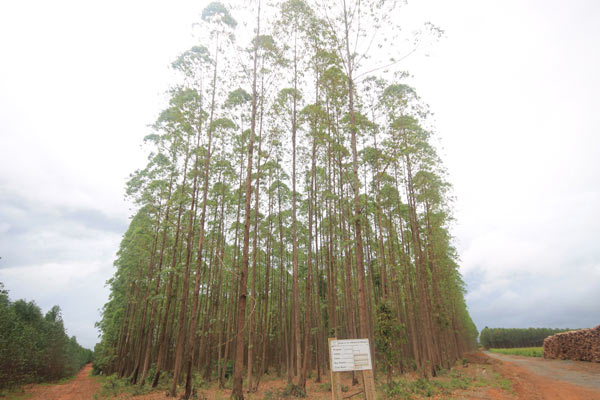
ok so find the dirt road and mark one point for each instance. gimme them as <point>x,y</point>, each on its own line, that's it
<point>537,378</point>
<point>531,379</point>
<point>81,388</point>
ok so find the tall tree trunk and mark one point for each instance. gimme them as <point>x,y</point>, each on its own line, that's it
<point>266,320</point>
<point>255,250</point>
<point>191,345</point>
<point>295,292</point>
<point>237,392</point>
<point>163,334</point>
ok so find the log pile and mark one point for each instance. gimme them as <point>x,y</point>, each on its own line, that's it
<point>581,345</point>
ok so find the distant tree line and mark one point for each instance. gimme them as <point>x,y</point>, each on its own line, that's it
<point>35,348</point>
<point>516,337</point>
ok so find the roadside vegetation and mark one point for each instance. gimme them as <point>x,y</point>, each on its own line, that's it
<point>35,348</point>
<point>521,351</point>
<point>445,385</point>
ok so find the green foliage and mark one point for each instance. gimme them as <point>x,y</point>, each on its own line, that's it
<point>292,390</point>
<point>515,337</point>
<point>35,348</point>
<point>217,10</point>
<point>405,388</point>
<point>113,386</point>
<point>521,351</point>
<point>389,335</point>
<point>237,97</point>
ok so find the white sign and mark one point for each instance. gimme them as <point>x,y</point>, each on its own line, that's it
<point>350,355</point>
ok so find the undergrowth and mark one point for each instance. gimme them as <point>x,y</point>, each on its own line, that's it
<point>112,386</point>
<point>405,388</point>
<point>289,391</point>
<point>447,382</point>
<point>17,391</point>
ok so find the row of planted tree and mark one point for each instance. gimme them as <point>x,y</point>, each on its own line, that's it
<point>516,337</point>
<point>35,347</point>
<point>310,205</point>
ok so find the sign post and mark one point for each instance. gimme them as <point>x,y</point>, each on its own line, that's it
<point>336,390</point>
<point>351,355</point>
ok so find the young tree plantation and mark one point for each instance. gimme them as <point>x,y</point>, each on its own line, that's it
<point>35,347</point>
<point>292,194</point>
<point>516,337</point>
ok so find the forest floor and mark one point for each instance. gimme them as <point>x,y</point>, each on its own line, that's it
<point>480,376</point>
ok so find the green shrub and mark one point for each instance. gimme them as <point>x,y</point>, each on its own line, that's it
<point>292,390</point>
<point>521,351</point>
<point>112,386</point>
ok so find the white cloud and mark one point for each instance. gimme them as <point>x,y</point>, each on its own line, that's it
<point>514,91</point>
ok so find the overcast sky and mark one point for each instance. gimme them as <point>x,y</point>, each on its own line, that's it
<point>514,85</point>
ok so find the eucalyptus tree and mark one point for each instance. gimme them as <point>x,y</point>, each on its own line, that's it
<point>361,228</point>
<point>282,193</point>
<point>314,116</point>
<point>308,26</point>
<point>341,27</point>
<point>237,392</point>
<point>235,106</point>
<point>331,82</point>
<point>379,162</point>
<point>151,188</point>
<point>270,60</point>
<point>315,120</point>
<point>225,279</point>
<point>147,189</point>
<point>411,144</point>
<point>270,168</point>
<point>181,119</point>
<point>191,111</point>
<point>294,14</point>
<point>170,164</point>
<point>220,23</point>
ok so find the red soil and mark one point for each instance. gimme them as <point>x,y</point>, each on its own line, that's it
<point>81,388</point>
<point>531,379</point>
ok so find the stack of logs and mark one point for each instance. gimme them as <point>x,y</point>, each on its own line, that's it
<point>581,345</point>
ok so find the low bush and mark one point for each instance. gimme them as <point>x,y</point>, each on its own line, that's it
<point>521,351</point>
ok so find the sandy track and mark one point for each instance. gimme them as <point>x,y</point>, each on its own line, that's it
<point>81,388</point>
<point>537,378</point>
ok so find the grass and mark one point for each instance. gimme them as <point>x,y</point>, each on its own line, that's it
<point>14,394</point>
<point>405,388</point>
<point>445,384</point>
<point>111,386</point>
<point>521,351</point>
<point>464,376</point>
